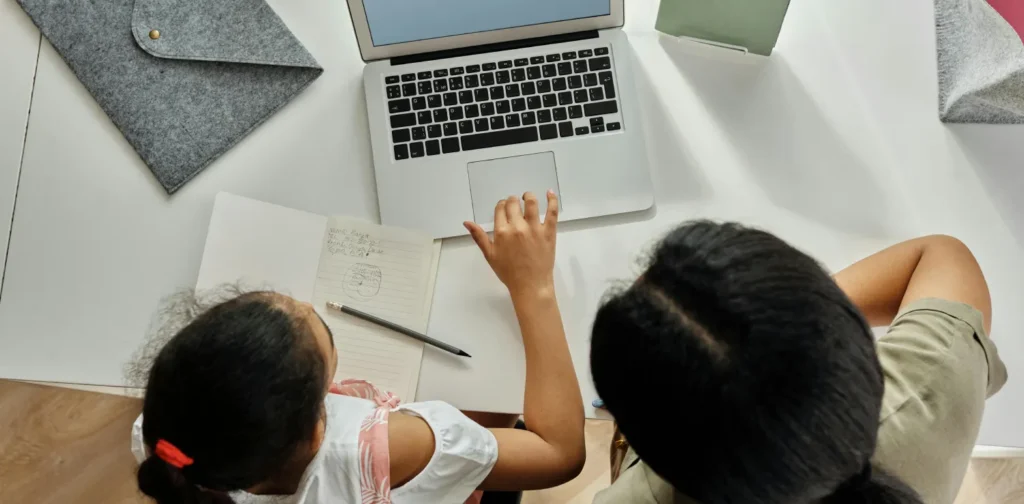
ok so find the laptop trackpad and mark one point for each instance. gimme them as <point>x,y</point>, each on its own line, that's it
<point>497,179</point>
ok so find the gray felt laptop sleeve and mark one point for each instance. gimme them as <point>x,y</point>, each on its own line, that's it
<point>183,80</point>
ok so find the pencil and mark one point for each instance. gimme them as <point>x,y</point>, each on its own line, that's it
<point>397,328</point>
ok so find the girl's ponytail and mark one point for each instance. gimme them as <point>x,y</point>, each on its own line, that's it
<point>167,485</point>
<point>873,486</point>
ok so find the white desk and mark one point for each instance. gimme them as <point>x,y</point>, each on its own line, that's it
<point>833,144</point>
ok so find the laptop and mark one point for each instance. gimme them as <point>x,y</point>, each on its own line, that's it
<point>471,101</point>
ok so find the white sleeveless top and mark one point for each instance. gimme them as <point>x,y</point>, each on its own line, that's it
<point>464,455</point>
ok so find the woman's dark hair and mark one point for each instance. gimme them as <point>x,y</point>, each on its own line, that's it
<point>239,389</point>
<point>740,372</point>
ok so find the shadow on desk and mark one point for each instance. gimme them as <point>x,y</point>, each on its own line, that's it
<point>995,152</point>
<point>66,446</point>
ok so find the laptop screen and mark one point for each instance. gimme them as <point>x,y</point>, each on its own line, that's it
<point>399,21</point>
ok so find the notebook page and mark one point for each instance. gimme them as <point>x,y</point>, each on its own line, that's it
<point>388,272</point>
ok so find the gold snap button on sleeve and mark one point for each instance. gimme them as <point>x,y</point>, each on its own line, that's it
<point>154,34</point>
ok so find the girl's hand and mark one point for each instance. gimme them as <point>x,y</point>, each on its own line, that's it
<point>522,252</point>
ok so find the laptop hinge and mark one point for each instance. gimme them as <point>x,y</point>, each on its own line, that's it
<point>500,46</point>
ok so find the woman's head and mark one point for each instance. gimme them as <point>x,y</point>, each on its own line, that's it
<point>240,391</point>
<point>740,372</point>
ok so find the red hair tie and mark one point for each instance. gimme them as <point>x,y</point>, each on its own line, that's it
<point>172,455</point>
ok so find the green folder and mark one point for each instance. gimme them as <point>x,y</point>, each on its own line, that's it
<point>751,24</point>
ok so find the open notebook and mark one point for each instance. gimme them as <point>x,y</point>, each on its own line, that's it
<point>388,272</point>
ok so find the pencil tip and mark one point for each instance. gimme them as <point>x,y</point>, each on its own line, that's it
<point>464,354</point>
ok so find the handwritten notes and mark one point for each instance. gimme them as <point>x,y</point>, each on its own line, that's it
<point>390,273</point>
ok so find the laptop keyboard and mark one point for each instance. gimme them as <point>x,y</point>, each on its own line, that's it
<point>531,99</point>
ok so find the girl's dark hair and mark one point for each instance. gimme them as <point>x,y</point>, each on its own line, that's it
<point>239,389</point>
<point>740,372</point>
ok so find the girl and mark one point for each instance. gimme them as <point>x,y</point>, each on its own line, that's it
<point>240,407</point>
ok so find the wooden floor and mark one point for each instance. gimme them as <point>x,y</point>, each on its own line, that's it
<point>66,446</point>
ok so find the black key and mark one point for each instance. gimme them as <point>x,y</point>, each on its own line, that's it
<point>481,95</point>
<point>425,117</point>
<point>565,98</point>
<point>455,113</point>
<point>409,89</point>
<point>586,53</point>
<point>440,86</point>
<point>409,77</point>
<point>424,75</point>
<point>456,71</point>
<point>503,107</point>
<point>487,109</point>
<point>581,96</point>
<point>536,60</point>
<point>601,51</point>
<point>564,68</point>
<point>579,66</point>
<point>565,129</point>
<point>575,82</point>
<point>419,103</point>
<point>497,122</point>
<point>394,91</point>
<point>554,57</point>
<point>596,121</point>
<point>601,108</point>
<point>550,100</point>
<point>528,118</point>
<point>451,99</point>
<point>559,114</point>
<point>605,77</point>
<point>518,75</point>
<point>487,79</point>
<point>558,84</point>
<point>590,79</point>
<point>472,111</point>
<point>391,79</point>
<point>548,131</point>
<point>419,133</point>
<point>434,101</point>
<point>596,94</point>
<point>528,88</point>
<point>403,120</point>
<point>569,55</point>
<point>472,68</point>
<point>497,93</point>
<point>451,129</point>
<point>575,112</point>
<point>401,152</point>
<point>520,62</point>
<point>614,126</point>
<point>449,145</point>
<point>482,124</point>
<point>502,77</point>
<point>433,148</point>
<point>402,105</point>
<point>472,81</point>
<point>424,87</point>
<point>465,97</point>
<point>440,115</point>
<point>434,131</point>
<point>455,83</point>
<point>497,138</point>
<point>600,64</point>
<point>512,120</point>
<point>518,105</point>
<point>609,90</point>
<point>597,129</point>
<point>505,64</point>
<point>489,66</point>
<point>512,90</point>
<point>465,127</point>
<point>582,130</point>
<point>544,86</point>
<point>533,73</point>
<point>400,135</point>
<point>549,71</point>
<point>544,116</point>
<point>441,73</point>
<point>533,102</point>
